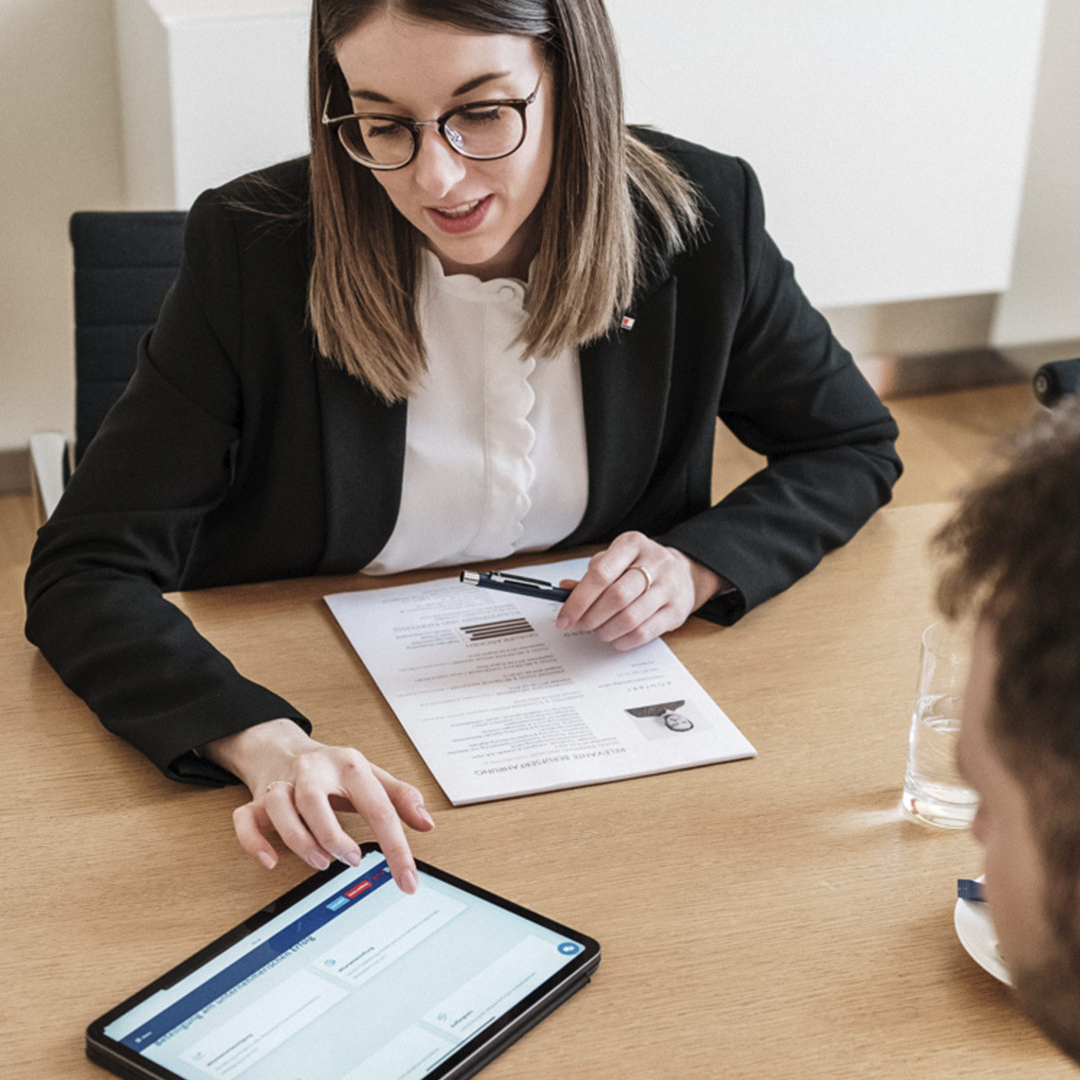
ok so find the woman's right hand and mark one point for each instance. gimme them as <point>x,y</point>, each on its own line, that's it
<point>297,784</point>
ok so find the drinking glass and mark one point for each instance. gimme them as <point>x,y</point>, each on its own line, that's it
<point>934,793</point>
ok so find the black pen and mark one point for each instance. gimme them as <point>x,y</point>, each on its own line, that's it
<point>515,583</point>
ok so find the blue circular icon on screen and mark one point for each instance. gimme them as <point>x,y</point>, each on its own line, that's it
<point>568,948</point>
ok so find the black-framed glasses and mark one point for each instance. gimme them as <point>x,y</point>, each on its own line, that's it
<point>481,130</point>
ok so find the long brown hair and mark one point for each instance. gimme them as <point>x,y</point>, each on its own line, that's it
<point>606,191</point>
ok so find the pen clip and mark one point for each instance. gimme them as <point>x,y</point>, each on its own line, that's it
<point>498,575</point>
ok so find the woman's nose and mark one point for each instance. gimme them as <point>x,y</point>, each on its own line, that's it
<point>437,167</point>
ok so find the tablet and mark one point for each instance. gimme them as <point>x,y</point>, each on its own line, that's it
<point>345,977</point>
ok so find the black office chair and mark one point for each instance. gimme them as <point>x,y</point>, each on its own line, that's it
<point>1054,381</point>
<point>125,262</point>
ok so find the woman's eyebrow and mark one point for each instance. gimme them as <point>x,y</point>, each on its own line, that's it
<point>472,84</point>
<point>464,88</point>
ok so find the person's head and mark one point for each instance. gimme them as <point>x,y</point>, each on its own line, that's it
<point>1014,547</point>
<point>478,214</point>
<point>561,200</point>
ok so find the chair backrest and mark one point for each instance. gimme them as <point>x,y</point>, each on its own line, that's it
<point>125,262</point>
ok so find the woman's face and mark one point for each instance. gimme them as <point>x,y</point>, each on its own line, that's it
<point>478,216</point>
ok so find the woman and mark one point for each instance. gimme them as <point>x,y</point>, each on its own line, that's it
<point>484,303</point>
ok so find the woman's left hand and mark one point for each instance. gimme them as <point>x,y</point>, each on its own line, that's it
<point>635,591</point>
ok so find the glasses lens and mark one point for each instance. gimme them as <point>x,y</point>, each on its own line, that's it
<point>486,131</point>
<point>376,140</point>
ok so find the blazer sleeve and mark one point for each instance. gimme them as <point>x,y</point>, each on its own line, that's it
<point>793,394</point>
<point>123,531</point>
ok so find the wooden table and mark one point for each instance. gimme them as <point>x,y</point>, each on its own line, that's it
<point>765,918</point>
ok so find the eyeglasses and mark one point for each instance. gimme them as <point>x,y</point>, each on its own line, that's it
<point>481,130</point>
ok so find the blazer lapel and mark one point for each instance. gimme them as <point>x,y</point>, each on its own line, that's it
<point>364,454</point>
<point>624,383</point>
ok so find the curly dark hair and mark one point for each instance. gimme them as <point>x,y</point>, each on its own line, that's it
<point>1014,556</point>
<point>1013,551</point>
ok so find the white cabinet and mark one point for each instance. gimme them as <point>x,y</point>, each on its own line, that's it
<point>890,135</point>
<point>210,89</point>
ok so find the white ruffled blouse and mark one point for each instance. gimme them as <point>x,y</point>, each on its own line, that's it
<point>495,458</point>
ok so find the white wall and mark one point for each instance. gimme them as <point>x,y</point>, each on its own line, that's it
<point>1043,300</point>
<point>59,152</point>
<point>146,105</point>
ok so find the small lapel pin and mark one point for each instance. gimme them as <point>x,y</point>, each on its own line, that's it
<point>626,323</point>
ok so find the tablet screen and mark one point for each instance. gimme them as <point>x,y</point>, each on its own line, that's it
<point>354,979</point>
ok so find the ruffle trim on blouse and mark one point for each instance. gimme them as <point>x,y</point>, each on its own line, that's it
<point>508,436</point>
<point>509,469</point>
<point>470,287</point>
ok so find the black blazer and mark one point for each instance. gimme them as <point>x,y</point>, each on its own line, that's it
<point>238,454</point>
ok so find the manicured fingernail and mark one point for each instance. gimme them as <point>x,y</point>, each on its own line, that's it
<point>267,860</point>
<point>353,858</point>
<point>560,622</point>
<point>320,862</point>
<point>421,810</point>
<point>409,881</point>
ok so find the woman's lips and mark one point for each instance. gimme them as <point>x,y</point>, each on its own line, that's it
<point>462,218</point>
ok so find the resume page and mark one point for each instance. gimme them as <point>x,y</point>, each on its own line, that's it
<point>499,702</point>
<point>356,981</point>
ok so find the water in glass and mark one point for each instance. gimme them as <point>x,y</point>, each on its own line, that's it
<point>933,789</point>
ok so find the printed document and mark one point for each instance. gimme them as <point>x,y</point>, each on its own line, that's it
<point>499,702</point>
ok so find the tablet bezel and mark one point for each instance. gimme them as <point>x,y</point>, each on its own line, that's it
<point>466,1060</point>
